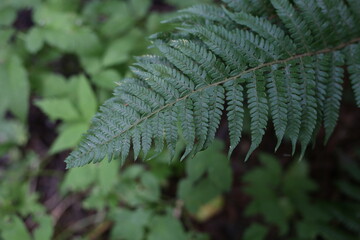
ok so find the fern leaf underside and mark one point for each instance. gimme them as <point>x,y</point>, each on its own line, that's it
<point>289,68</point>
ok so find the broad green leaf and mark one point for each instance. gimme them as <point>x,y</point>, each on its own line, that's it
<point>132,172</point>
<point>69,136</point>
<point>11,133</point>
<point>7,16</point>
<point>307,230</point>
<point>58,108</point>
<point>297,184</point>
<point>119,51</point>
<point>197,194</point>
<point>219,168</point>
<point>86,99</point>
<point>15,229</point>
<point>208,176</point>
<point>28,201</point>
<point>106,79</point>
<point>4,90</point>
<point>97,200</point>
<point>140,7</point>
<point>17,87</point>
<point>80,40</point>
<point>118,23</point>
<point>130,225</point>
<point>138,186</point>
<point>151,187</point>
<point>5,35</point>
<point>255,232</point>
<point>154,22</point>
<point>17,4</point>
<point>214,161</point>
<point>54,85</point>
<point>195,235</point>
<point>166,227</point>
<point>79,179</point>
<point>64,5</point>
<point>44,231</point>
<point>269,175</point>
<point>54,19</point>
<point>92,64</point>
<point>34,40</point>
<point>108,175</point>
<point>64,30</point>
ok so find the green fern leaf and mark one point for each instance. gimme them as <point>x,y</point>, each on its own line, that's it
<point>309,113</point>
<point>333,93</point>
<point>278,100</point>
<point>293,89</point>
<point>257,103</point>
<point>321,68</point>
<point>235,111</point>
<point>353,59</point>
<point>201,117</point>
<point>296,25</point>
<point>186,116</point>
<point>289,57</point>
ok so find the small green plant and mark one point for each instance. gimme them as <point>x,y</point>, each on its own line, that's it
<point>18,202</point>
<point>283,199</point>
<point>60,60</point>
<point>289,67</point>
<point>134,199</point>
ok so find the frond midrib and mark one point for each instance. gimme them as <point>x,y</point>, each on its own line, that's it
<point>308,54</point>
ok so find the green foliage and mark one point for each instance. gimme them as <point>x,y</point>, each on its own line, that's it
<point>74,102</point>
<point>12,133</point>
<point>76,52</point>
<point>283,199</point>
<point>186,3</point>
<point>15,88</point>
<point>282,191</point>
<point>208,175</point>
<point>18,202</point>
<point>255,232</point>
<point>64,64</point>
<point>144,212</point>
<point>69,28</point>
<point>289,69</point>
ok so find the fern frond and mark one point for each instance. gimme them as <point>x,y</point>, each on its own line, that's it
<point>257,104</point>
<point>353,60</point>
<point>216,107</point>
<point>297,27</point>
<point>321,68</point>
<point>283,60</point>
<point>201,116</point>
<point>186,116</point>
<point>293,90</point>
<point>256,7</point>
<point>333,93</point>
<point>309,113</point>
<point>315,19</point>
<point>278,101</point>
<point>267,30</point>
<point>235,111</point>
<point>355,10</point>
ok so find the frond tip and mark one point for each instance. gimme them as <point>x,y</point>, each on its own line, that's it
<point>289,69</point>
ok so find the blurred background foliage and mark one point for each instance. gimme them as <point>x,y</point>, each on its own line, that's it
<point>59,60</point>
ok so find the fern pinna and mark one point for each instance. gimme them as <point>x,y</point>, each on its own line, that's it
<point>282,59</point>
